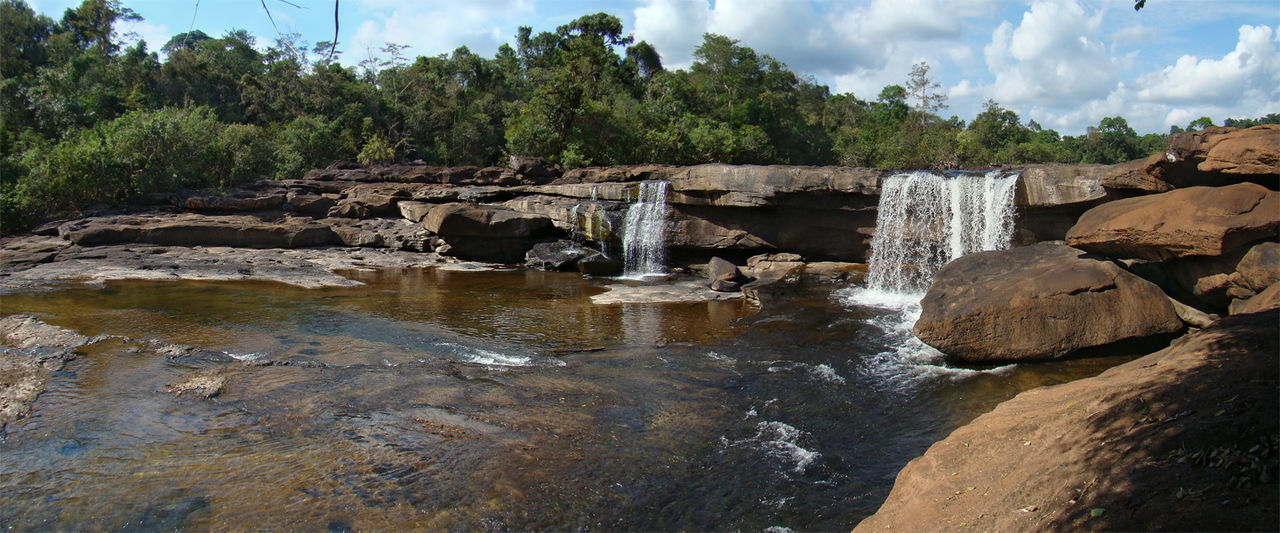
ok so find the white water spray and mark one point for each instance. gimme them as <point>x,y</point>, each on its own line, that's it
<point>645,233</point>
<point>926,220</point>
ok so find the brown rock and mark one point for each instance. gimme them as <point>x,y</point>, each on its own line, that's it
<point>1057,185</point>
<point>1266,300</point>
<point>1140,174</point>
<point>1144,446</point>
<point>235,202</point>
<point>309,203</point>
<point>198,230</point>
<point>724,276</point>
<point>1252,151</point>
<point>487,233</point>
<point>414,211</point>
<point>1185,222</point>
<point>1260,266</point>
<point>756,185</point>
<point>466,220</point>
<point>203,384</point>
<point>1038,302</point>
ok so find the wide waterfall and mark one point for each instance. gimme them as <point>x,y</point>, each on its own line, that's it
<point>645,233</point>
<point>925,220</point>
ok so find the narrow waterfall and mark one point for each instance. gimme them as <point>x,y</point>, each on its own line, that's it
<point>925,220</point>
<point>645,231</point>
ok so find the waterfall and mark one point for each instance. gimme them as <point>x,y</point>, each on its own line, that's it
<point>574,234</point>
<point>925,220</point>
<point>645,231</point>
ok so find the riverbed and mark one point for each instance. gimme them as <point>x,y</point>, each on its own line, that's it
<point>428,398</point>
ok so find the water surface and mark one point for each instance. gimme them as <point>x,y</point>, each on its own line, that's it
<point>477,400</point>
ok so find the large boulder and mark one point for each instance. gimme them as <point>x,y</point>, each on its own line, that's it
<point>1057,184</point>
<point>1042,301</point>
<point>468,220</point>
<point>1196,221</point>
<point>1182,439</point>
<point>1260,266</point>
<point>487,233</point>
<point>1252,152</point>
<point>1146,175</point>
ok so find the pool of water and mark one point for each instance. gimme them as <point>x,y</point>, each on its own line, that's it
<point>478,400</point>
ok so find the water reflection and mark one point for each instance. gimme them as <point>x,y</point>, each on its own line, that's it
<point>473,400</point>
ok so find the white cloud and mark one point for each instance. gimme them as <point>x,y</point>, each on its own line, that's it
<point>156,35</point>
<point>1053,57</point>
<point>1253,67</point>
<point>1136,34</point>
<point>673,27</point>
<point>435,27</point>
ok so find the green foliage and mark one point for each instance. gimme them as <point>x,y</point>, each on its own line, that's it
<point>139,153</point>
<point>84,120</point>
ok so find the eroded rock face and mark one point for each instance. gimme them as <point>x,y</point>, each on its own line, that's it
<point>198,230</point>
<point>1127,443</point>
<point>1196,221</point>
<point>1260,266</point>
<point>754,185</point>
<point>1038,302</point>
<point>1250,152</point>
<point>1057,184</point>
<point>557,256</point>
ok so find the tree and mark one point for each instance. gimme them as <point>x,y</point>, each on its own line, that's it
<point>924,90</point>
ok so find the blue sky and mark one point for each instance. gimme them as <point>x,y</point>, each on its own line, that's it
<point>1064,63</point>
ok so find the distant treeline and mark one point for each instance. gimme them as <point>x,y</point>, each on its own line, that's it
<point>85,120</point>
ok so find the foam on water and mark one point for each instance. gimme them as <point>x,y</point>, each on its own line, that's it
<point>778,441</point>
<point>924,221</point>
<point>471,354</point>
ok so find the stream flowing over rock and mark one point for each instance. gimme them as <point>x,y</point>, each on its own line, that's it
<point>1105,453</point>
<point>1038,302</point>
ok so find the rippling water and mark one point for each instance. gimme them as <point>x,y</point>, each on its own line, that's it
<point>478,400</point>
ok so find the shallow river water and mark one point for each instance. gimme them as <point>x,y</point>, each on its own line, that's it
<point>478,400</point>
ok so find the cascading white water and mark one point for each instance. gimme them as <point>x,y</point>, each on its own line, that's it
<point>645,231</point>
<point>925,220</point>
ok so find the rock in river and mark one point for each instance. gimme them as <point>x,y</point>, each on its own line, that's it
<point>1038,302</point>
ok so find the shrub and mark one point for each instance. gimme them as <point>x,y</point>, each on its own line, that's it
<point>139,153</point>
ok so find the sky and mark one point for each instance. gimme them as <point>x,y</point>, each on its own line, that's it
<point>1064,63</point>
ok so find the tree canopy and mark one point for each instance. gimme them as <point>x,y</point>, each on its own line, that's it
<point>77,107</point>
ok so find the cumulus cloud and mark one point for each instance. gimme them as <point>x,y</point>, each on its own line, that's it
<point>1253,67</point>
<point>436,26</point>
<point>673,27</point>
<point>1053,57</point>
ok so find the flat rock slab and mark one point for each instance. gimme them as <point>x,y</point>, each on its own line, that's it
<point>1038,302</point>
<point>667,292</point>
<point>308,268</point>
<point>1182,439</point>
<point>1196,221</point>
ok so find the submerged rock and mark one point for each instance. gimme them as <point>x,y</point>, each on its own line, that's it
<point>203,384</point>
<point>1196,221</point>
<point>1042,301</point>
<point>1184,438</point>
<point>32,351</point>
